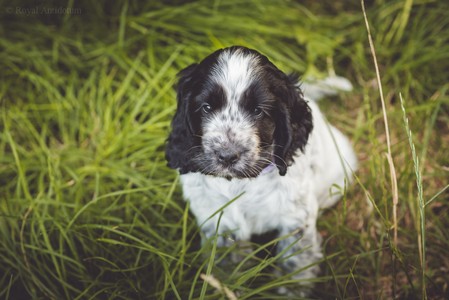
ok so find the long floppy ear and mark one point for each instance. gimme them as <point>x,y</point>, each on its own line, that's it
<point>293,124</point>
<point>181,140</point>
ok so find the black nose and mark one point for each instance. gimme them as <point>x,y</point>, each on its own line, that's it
<point>227,158</point>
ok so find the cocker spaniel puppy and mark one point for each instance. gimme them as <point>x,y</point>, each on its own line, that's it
<point>243,131</point>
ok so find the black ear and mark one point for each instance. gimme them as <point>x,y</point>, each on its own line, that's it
<point>293,123</point>
<point>181,141</point>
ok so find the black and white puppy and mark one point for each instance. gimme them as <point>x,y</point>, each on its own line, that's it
<point>243,127</point>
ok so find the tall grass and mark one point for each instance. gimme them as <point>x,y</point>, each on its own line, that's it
<point>421,205</point>
<point>89,210</point>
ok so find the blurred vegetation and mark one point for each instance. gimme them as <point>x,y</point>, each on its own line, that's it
<point>88,209</point>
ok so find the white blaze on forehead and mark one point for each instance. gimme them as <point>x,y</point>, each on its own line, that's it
<point>234,72</point>
<point>229,127</point>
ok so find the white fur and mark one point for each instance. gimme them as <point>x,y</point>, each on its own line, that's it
<point>271,201</point>
<point>234,72</point>
<point>289,203</point>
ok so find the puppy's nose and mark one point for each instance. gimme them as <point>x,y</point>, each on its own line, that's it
<point>227,157</point>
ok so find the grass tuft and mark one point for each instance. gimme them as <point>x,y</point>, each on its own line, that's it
<point>89,210</point>
<point>421,205</point>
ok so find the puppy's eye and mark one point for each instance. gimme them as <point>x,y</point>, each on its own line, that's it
<point>258,111</point>
<point>206,108</point>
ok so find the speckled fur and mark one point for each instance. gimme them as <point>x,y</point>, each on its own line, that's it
<point>289,201</point>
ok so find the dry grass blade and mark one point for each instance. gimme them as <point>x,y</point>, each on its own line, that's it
<point>394,184</point>
<point>212,281</point>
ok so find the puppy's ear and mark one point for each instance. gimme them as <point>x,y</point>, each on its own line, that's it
<point>182,140</point>
<point>293,123</point>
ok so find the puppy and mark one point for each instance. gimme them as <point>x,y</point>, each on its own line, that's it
<point>243,131</point>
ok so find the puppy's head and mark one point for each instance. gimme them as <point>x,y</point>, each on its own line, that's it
<point>237,114</point>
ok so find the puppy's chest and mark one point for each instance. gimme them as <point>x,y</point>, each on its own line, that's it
<point>248,193</point>
<point>258,207</point>
<point>257,204</point>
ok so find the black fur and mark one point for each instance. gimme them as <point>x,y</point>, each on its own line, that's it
<point>287,124</point>
<point>181,143</point>
<point>293,123</point>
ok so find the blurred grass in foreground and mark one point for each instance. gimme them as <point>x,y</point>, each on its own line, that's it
<point>88,209</point>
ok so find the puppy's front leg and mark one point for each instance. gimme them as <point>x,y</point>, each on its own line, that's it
<point>301,251</point>
<point>224,237</point>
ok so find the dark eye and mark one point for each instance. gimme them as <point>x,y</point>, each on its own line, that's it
<point>257,111</point>
<point>206,108</point>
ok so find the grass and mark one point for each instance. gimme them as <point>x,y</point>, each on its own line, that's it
<point>88,209</point>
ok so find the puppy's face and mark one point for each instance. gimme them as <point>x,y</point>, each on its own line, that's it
<point>232,112</point>
<point>234,116</point>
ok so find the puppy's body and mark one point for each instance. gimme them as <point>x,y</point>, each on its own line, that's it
<point>271,201</point>
<point>243,132</point>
